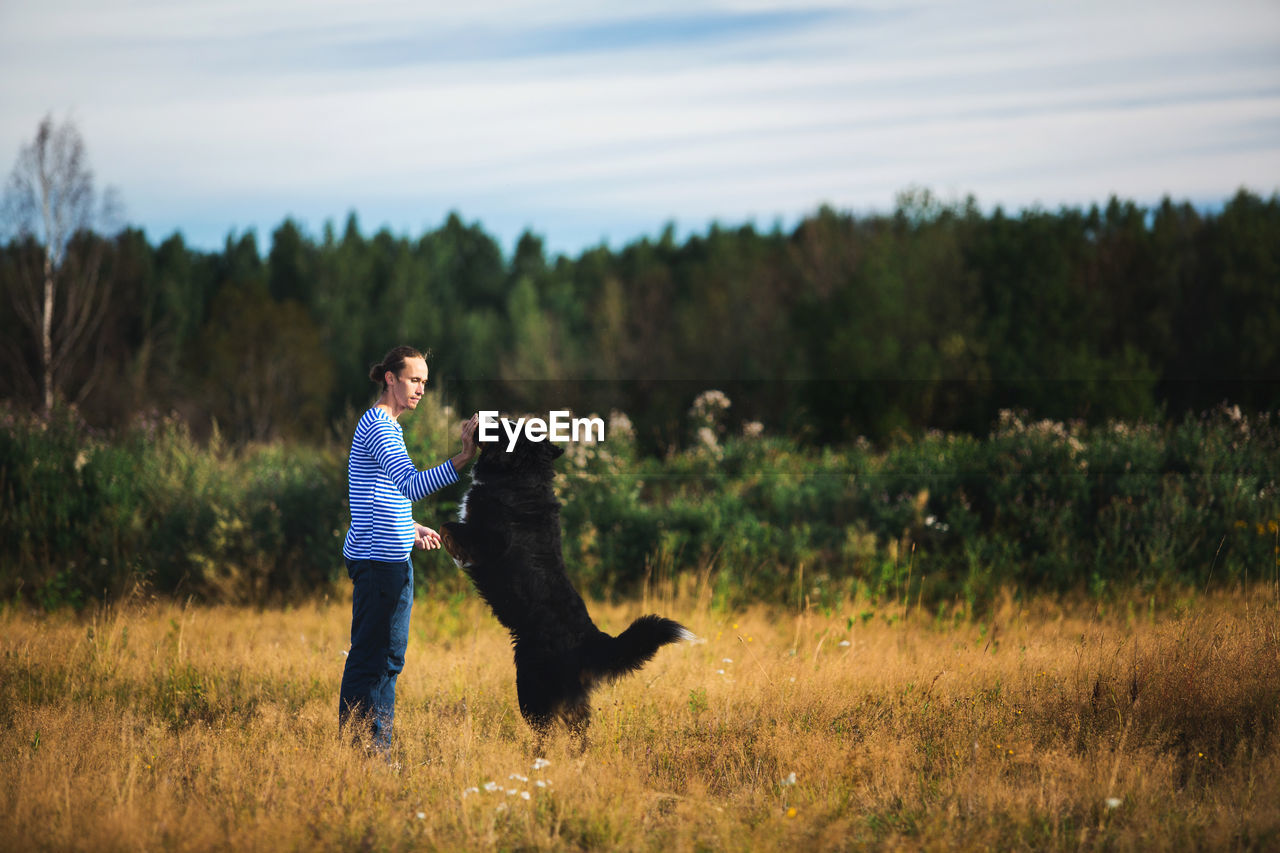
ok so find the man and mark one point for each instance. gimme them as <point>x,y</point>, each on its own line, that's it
<point>382,484</point>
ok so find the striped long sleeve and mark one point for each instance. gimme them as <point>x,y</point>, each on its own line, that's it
<point>382,484</point>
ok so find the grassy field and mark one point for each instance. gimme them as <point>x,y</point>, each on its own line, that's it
<point>1048,726</point>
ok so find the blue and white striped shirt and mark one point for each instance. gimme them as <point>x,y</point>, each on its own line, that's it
<point>382,484</point>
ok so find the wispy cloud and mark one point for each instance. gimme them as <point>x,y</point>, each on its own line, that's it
<point>586,122</point>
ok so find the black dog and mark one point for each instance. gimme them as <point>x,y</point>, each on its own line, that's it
<point>507,540</point>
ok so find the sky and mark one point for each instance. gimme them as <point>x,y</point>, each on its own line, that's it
<point>589,123</point>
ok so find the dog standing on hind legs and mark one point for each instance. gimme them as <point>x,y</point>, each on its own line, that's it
<point>507,540</point>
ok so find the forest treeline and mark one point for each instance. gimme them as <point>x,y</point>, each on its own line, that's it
<point>931,316</point>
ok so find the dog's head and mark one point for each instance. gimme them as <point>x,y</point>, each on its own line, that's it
<point>526,458</point>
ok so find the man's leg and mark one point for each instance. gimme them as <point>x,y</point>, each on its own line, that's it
<point>377,590</point>
<point>398,643</point>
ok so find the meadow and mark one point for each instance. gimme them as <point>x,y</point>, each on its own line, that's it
<point>1046,723</point>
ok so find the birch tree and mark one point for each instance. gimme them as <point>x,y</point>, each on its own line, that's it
<point>59,294</point>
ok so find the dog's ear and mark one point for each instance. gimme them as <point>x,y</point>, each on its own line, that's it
<point>491,441</point>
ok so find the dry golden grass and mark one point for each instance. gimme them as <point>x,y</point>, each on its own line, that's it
<point>164,727</point>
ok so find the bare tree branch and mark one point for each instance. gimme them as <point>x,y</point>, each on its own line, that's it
<point>83,305</point>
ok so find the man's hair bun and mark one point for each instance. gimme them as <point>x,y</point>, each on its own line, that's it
<point>393,361</point>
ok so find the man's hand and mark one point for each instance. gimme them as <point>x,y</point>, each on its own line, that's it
<point>469,447</point>
<point>425,538</point>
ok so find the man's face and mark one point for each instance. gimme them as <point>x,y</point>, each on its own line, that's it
<point>408,387</point>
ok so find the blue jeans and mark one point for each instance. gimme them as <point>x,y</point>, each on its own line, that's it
<point>381,598</point>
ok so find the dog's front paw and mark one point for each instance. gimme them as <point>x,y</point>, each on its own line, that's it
<point>450,542</point>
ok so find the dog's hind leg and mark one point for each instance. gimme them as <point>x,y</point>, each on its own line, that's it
<point>536,705</point>
<point>578,720</point>
<point>541,732</point>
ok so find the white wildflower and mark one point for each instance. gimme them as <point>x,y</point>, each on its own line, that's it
<point>708,404</point>
<point>1113,802</point>
<point>491,786</point>
<point>539,763</point>
<point>790,780</point>
<point>620,424</point>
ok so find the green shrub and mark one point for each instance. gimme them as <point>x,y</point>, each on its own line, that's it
<point>92,518</point>
<point>1034,506</point>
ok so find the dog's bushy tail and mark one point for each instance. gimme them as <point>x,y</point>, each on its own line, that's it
<point>613,657</point>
